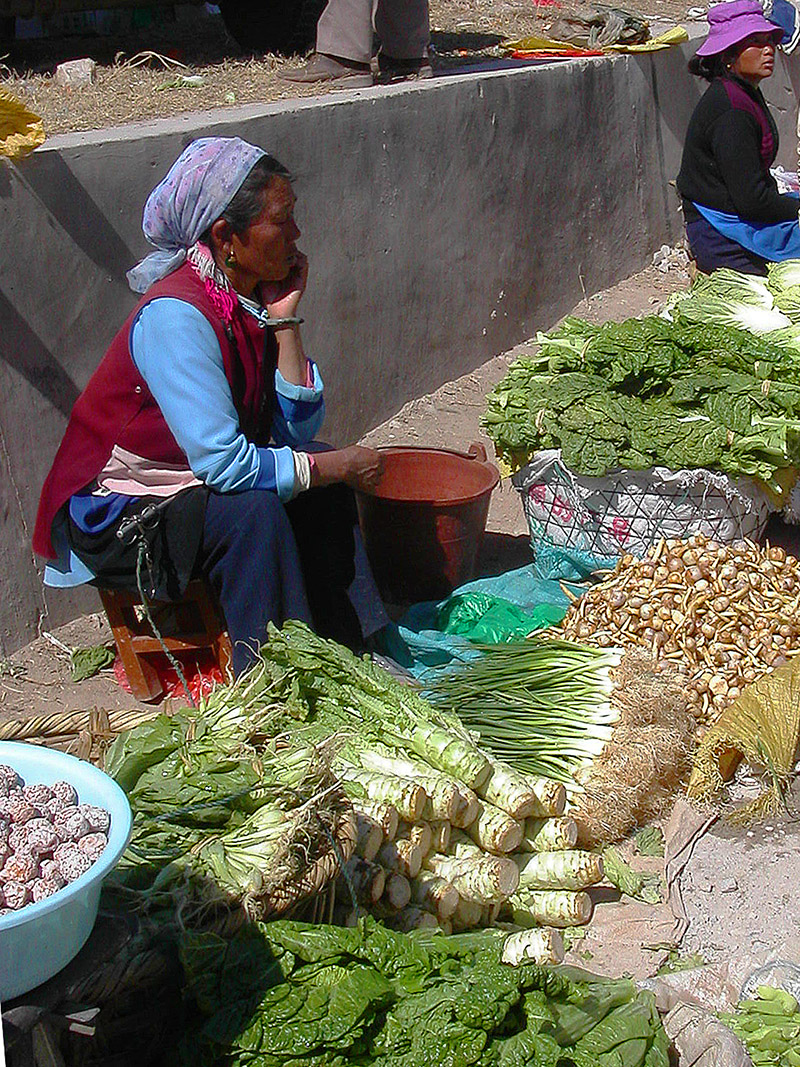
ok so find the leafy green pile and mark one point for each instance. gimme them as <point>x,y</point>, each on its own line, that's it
<point>768,1026</point>
<point>728,298</point>
<point>288,994</point>
<point>649,392</point>
<point>768,306</point>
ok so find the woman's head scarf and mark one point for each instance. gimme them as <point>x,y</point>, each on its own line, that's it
<point>201,183</point>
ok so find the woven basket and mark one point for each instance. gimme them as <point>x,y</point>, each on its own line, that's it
<point>580,522</point>
<point>85,734</point>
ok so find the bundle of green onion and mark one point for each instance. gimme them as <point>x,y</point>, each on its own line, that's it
<point>541,706</point>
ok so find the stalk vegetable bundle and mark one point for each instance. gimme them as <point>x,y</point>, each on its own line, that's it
<point>548,707</point>
<point>543,706</point>
<point>441,823</point>
<point>647,392</point>
<point>219,823</point>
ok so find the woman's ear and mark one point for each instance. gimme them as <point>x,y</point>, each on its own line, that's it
<point>220,233</point>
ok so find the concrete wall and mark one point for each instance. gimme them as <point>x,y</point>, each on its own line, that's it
<point>445,222</point>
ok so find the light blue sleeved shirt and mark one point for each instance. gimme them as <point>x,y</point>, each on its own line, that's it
<point>176,351</point>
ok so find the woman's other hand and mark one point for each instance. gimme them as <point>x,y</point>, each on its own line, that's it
<point>360,468</point>
<point>282,298</point>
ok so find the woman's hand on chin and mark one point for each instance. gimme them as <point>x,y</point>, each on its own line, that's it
<point>282,298</point>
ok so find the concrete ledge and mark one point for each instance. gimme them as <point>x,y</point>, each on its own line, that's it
<point>445,222</point>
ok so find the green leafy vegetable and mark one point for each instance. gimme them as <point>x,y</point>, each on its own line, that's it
<point>632,883</point>
<point>728,298</point>
<point>649,841</point>
<point>649,392</point>
<point>86,662</point>
<point>783,275</point>
<point>217,821</point>
<point>317,995</point>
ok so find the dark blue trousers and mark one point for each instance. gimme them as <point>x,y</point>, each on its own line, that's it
<point>269,562</point>
<point>712,250</point>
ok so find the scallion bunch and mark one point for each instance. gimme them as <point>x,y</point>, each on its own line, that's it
<point>541,706</point>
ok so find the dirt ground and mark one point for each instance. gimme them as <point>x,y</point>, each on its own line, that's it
<point>142,74</point>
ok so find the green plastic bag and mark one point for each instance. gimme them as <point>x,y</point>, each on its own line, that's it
<point>486,619</point>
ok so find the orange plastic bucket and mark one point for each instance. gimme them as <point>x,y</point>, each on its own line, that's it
<point>424,524</point>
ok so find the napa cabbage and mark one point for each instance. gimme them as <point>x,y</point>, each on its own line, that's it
<point>784,275</point>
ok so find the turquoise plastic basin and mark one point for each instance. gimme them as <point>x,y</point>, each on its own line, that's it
<point>39,940</point>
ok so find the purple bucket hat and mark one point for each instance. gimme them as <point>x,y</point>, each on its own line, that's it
<point>732,22</point>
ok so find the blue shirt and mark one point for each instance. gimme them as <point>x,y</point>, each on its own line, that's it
<point>176,351</point>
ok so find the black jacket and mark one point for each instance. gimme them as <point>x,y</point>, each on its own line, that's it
<point>723,166</point>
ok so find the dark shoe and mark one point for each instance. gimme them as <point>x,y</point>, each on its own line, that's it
<point>392,70</point>
<point>325,69</point>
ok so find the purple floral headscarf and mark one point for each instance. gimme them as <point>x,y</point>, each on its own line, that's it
<point>201,183</point>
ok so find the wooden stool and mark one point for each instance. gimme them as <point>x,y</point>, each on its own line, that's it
<point>194,624</point>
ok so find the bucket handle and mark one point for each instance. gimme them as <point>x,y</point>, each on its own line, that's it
<point>477,451</point>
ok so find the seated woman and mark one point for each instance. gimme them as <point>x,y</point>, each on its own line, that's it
<point>204,410</point>
<point>735,217</point>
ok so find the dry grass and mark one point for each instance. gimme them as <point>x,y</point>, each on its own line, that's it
<point>464,32</point>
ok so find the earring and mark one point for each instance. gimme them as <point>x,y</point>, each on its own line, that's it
<point>230,260</point>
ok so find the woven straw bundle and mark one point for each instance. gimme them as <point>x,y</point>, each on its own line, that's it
<point>761,727</point>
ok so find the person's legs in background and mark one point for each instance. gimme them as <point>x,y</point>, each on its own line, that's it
<point>403,28</point>
<point>343,47</point>
<point>711,250</point>
<point>344,43</point>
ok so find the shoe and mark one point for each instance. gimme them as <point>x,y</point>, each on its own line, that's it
<point>325,69</point>
<point>392,70</point>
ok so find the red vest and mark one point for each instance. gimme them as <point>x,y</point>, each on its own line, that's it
<point>117,408</point>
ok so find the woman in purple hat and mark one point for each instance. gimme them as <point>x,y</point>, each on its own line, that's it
<point>735,216</point>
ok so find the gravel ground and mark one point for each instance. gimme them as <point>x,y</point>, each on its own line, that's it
<point>141,74</point>
<point>740,885</point>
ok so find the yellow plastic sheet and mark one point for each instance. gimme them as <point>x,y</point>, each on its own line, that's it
<point>673,36</point>
<point>538,44</point>
<point>676,35</point>
<point>20,130</point>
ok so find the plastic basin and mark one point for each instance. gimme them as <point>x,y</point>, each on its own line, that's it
<point>424,524</point>
<point>39,940</point>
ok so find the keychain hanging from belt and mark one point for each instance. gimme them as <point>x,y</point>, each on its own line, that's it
<point>136,529</point>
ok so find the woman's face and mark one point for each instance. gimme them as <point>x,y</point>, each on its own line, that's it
<point>755,59</point>
<point>266,250</point>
